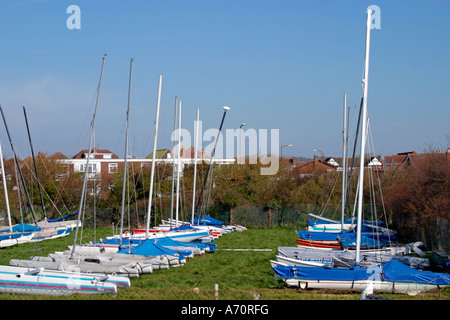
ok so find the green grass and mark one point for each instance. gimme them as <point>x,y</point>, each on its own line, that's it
<point>239,274</point>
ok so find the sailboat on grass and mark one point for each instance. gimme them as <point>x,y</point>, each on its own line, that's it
<point>392,276</point>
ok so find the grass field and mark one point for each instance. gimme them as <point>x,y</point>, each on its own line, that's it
<point>239,275</point>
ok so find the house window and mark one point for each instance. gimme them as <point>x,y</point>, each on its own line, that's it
<point>92,168</point>
<point>113,168</point>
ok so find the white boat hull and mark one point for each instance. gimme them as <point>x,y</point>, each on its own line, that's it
<point>32,282</point>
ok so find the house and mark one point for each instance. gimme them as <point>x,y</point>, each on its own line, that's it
<point>310,167</point>
<point>160,154</point>
<point>103,162</point>
<point>370,162</point>
<point>397,160</point>
<point>406,159</point>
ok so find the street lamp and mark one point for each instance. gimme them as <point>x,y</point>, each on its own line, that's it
<point>321,153</point>
<point>240,131</point>
<point>281,152</point>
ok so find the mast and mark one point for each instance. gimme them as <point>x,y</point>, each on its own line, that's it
<point>30,205</point>
<point>173,160</point>
<point>8,211</point>
<point>86,170</point>
<point>344,160</point>
<point>195,165</point>
<point>34,163</point>
<point>363,137</point>
<point>178,165</point>
<point>225,108</point>
<point>125,171</point>
<point>153,157</point>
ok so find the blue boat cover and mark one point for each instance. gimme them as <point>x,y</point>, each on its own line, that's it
<point>165,241</point>
<point>183,227</point>
<point>392,271</point>
<point>23,227</point>
<point>344,235</point>
<point>326,273</point>
<point>63,218</point>
<point>208,221</point>
<point>366,242</point>
<point>150,248</point>
<point>398,272</point>
<point>168,241</point>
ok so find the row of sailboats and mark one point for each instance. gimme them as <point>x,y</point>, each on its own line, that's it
<point>321,260</point>
<point>63,280</point>
<point>125,255</point>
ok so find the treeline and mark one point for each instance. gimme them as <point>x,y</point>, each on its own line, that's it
<point>409,197</point>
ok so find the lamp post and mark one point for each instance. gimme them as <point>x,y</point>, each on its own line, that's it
<point>240,132</point>
<point>281,152</point>
<point>321,153</point>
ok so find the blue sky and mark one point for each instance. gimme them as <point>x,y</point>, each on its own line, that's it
<point>278,64</point>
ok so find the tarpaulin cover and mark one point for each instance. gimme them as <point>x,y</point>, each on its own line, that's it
<point>183,227</point>
<point>326,273</point>
<point>208,221</point>
<point>392,271</point>
<point>344,235</point>
<point>22,227</point>
<point>168,241</point>
<point>366,242</point>
<point>397,272</point>
<point>150,248</point>
<point>63,218</point>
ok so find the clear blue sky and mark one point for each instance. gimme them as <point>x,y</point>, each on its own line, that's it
<point>278,64</point>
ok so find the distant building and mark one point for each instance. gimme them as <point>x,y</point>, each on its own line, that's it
<point>405,159</point>
<point>103,162</point>
<point>310,167</point>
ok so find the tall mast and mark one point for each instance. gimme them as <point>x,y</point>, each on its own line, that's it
<point>30,204</point>
<point>225,109</point>
<point>363,138</point>
<point>5,189</point>
<point>34,163</point>
<point>173,159</point>
<point>158,102</point>
<point>178,164</point>
<point>125,169</point>
<point>86,170</point>
<point>344,161</point>
<point>195,165</point>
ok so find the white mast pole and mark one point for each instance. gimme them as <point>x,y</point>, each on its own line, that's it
<point>178,165</point>
<point>363,138</point>
<point>344,161</point>
<point>153,157</point>
<point>86,171</point>
<point>8,211</point>
<point>195,166</point>
<point>173,159</point>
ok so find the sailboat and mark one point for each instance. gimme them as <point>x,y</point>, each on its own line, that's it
<point>22,232</point>
<point>392,276</point>
<point>10,236</point>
